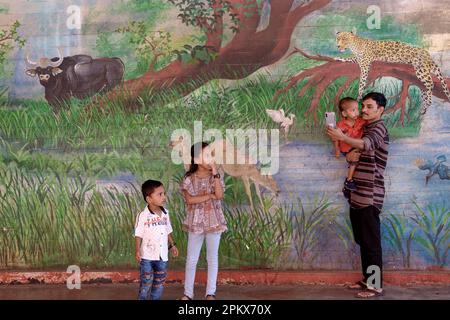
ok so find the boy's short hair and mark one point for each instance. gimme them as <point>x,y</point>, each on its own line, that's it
<point>343,101</point>
<point>379,98</point>
<point>149,186</point>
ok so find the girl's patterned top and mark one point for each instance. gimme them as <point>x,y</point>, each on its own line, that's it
<point>205,217</point>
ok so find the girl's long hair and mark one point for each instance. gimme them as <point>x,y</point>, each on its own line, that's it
<point>195,151</point>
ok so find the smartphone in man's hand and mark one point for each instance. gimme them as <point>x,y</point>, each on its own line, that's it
<point>330,120</point>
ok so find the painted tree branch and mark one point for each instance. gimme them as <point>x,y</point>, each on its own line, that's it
<point>323,75</point>
<point>401,103</point>
<point>248,51</point>
<point>7,37</point>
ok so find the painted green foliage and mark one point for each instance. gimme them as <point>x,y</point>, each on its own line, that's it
<point>428,228</point>
<point>149,45</point>
<point>434,224</point>
<point>9,38</point>
<point>126,43</point>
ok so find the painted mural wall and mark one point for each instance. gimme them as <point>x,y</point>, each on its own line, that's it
<point>92,90</point>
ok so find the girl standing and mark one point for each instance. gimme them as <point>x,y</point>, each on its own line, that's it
<point>203,190</point>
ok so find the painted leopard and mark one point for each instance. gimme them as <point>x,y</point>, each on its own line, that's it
<point>366,51</point>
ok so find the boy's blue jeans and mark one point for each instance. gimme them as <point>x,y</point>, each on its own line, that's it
<point>153,276</point>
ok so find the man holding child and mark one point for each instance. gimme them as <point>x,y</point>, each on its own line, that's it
<point>366,202</point>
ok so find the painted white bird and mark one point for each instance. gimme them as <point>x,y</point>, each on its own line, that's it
<point>289,121</point>
<point>279,117</point>
<point>276,115</point>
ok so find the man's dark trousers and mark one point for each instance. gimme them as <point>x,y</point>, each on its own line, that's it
<point>366,231</point>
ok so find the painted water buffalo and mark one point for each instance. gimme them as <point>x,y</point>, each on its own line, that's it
<point>78,76</point>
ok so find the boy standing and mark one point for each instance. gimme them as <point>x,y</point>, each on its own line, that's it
<point>153,234</point>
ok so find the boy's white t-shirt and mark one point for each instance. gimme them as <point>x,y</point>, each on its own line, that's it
<point>154,231</point>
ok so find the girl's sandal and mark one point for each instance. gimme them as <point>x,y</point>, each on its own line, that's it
<point>369,293</point>
<point>357,286</point>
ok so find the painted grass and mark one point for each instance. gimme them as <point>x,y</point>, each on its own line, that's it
<point>433,225</point>
<point>54,220</point>
<point>426,229</point>
<point>51,214</point>
<point>240,106</point>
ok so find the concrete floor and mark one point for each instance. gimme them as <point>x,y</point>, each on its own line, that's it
<point>224,292</point>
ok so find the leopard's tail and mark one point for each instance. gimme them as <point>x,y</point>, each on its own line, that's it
<point>441,78</point>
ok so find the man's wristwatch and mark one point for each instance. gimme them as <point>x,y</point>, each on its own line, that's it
<point>217,175</point>
<point>172,245</point>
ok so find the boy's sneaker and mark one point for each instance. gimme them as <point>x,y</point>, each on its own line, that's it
<point>350,185</point>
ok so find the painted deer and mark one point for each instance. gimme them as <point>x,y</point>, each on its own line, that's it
<point>243,167</point>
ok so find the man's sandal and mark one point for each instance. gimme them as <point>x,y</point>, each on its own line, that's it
<point>210,297</point>
<point>370,293</point>
<point>360,285</point>
<point>185,297</point>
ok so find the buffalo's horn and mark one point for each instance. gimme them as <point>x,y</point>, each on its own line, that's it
<point>31,63</point>
<point>59,61</point>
